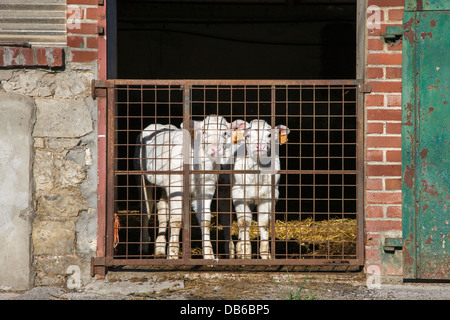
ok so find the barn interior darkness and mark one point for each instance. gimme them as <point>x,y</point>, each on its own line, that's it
<point>296,39</point>
<point>272,39</point>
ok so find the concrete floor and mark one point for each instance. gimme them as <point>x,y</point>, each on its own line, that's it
<point>245,285</point>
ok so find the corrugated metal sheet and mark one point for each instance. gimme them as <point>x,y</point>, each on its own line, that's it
<point>37,22</point>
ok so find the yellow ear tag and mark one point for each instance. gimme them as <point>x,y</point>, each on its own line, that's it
<point>283,138</point>
<point>237,136</point>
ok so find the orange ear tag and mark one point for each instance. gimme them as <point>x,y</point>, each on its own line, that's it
<point>237,136</point>
<point>283,138</point>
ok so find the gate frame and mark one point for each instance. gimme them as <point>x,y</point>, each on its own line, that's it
<point>107,69</point>
<point>106,89</point>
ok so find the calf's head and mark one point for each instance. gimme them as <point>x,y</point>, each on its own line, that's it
<point>258,136</point>
<point>213,134</point>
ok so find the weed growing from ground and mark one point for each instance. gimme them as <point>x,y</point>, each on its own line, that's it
<point>292,295</point>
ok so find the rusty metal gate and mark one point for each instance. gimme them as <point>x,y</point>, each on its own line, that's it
<point>316,194</point>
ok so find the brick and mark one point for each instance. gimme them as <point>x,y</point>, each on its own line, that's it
<point>383,114</point>
<point>372,239</point>
<point>91,13</point>
<point>74,13</point>
<point>383,142</point>
<point>371,12</point>
<point>374,155</point>
<point>394,100</point>
<point>372,255</point>
<point>393,156</point>
<point>374,184</point>
<point>395,46</point>
<point>11,56</point>
<point>386,86</point>
<point>379,170</point>
<point>382,225</point>
<point>375,44</point>
<point>394,212</point>
<point>84,28</point>
<point>374,73</point>
<point>41,58</point>
<point>393,73</point>
<point>374,212</point>
<point>393,128</point>
<point>27,54</point>
<point>374,100</point>
<point>75,42</point>
<point>58,57</point>
<point>373,197</point>
<point>374,128</point>
<point>384,58</point>
<point>84,56</point>
<point>390,271</point>
<point>393,184</point>
<point>91,43</point>
<point>395,14</point>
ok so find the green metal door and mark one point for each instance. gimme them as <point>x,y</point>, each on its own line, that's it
<point>426,140</point>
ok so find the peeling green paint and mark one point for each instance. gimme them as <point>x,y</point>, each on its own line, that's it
<point>425,140</point>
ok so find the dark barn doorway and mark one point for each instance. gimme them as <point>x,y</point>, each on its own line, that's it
<point>236,39</point>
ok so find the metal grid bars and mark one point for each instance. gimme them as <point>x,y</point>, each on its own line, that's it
<point>300,207</point>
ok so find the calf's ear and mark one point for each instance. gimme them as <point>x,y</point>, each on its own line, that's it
<point>282,129</point>
<point>239,124</point>
<point>238,127</point>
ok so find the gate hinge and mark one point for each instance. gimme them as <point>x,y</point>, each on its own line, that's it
<point>364,88</point>
<point>100,30</point>
<point>393,34</point>
<point>392,244</point>
<point>98,267</point>
<point>98,88</point>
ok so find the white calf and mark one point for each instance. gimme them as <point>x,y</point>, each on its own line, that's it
<point>165,150</point>
<point>147,192</point>
<point>255,189</point>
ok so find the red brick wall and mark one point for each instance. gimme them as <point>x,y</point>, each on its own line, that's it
<point>82,31</point>
<point>82,41</point>
<point>383,135</point>
<point>11,56</point>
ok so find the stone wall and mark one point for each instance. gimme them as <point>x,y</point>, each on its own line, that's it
<point>17,116</point>
<point>64,167</point>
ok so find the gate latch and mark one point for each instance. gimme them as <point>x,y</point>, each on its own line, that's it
<point>393,35</point>
<point>392,244</point>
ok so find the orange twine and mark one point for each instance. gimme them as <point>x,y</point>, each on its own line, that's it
<point>116,230</point>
